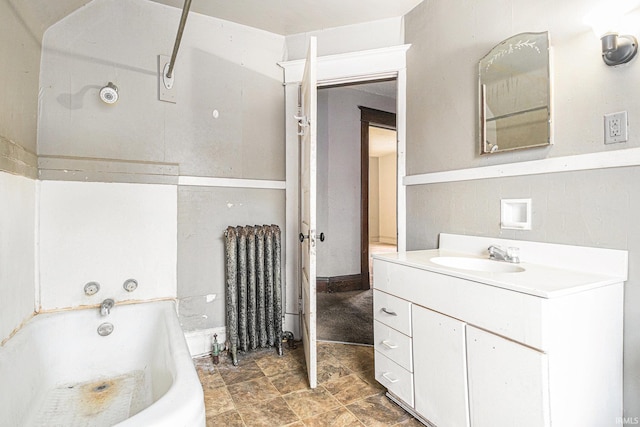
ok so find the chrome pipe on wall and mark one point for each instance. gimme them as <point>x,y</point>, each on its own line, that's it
<point>176,45</point>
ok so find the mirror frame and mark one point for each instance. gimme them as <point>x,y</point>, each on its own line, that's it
<point>498,50</point>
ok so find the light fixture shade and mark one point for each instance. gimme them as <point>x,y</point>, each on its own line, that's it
<point>617,50</point>
<point>606,21</point>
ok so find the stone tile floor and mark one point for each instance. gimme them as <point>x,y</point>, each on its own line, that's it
<point>268,390</point>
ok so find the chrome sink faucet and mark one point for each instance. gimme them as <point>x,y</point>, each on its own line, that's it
<point>106,306</point>
<point>499,254</point>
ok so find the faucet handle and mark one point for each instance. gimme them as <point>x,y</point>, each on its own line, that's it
<point>513,253</point>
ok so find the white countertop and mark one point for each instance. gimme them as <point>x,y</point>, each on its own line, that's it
<point>539,280</point>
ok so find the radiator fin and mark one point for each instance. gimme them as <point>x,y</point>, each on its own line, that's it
<point>253,288</point>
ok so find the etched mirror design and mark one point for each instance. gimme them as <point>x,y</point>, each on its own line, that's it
<point>515,94</point>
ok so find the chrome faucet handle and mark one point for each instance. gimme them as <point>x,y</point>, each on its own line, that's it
<point>106,306</point>
<point>513,254</point>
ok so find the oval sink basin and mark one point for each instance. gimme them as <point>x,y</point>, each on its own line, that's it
<point>477,264</point>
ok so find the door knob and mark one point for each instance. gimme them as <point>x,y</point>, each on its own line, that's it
<point>301,237</point>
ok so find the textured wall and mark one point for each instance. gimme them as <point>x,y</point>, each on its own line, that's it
<point>203,215</point>
<point>221,66</point>
<point>592,208</point>
<point>20,69</point>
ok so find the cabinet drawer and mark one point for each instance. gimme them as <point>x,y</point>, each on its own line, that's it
<point>392,311</point>
<point>393,344</point>
<point>395,378</point>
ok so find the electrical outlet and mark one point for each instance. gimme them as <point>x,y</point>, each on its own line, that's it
<point>615,128</point>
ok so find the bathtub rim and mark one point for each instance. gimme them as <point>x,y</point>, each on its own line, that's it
<point>185,392</point>
<point>183,402</point>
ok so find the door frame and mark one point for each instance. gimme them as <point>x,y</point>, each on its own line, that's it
<point>386,120</point>
<point>352,67</point>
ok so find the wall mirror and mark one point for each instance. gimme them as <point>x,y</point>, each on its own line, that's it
<point>515,94</point>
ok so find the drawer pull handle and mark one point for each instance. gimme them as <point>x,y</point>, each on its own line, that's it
<point>388,378</point>
<point>389,345</point>
<point>390,313</point>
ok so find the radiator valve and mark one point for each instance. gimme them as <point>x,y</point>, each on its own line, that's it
<point>215,350</point>
<point>287,336</point>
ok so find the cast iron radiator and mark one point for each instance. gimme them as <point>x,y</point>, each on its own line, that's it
<point>253,292</point>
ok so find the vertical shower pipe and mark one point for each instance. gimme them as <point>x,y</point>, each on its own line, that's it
<point>176,45</point>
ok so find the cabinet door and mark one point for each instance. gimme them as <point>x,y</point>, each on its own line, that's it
<point>439,368</point>
<point>508,382</point>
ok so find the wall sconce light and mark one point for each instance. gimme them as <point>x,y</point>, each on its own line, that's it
<point>605,21</point>
<point>617,49</point>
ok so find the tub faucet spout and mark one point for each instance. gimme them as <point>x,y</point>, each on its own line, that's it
<point>106,306</point>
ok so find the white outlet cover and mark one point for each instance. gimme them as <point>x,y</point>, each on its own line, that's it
<point>616,128</point>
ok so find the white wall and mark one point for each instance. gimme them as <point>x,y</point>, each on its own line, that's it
<point>339,178</point>
<point>107,233</point>
<point>596,208</point>
<point>348,38</point>
<point>17,246</point>
<point>388,196</point>
<point>374,199</point>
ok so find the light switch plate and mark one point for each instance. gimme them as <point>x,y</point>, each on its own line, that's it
<point>616,128</point>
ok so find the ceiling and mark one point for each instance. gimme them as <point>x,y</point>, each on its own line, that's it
<point>283,17</point>
<point>288,17</point>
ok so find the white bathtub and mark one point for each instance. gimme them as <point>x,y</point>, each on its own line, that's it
<point>57,370</point>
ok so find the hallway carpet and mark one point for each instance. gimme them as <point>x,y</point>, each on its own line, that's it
<point>345,316</point>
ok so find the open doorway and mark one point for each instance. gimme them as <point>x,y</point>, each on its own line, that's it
<point>378,183</point>
<point>382,195</point>
<point>344,298</point>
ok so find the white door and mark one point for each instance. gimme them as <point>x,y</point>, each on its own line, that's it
<point>440,368</point>
<point>508,382</point>
<point>307,130</point>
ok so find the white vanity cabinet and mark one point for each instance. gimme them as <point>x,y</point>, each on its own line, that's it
<point>498,350</point>
<point>440,371</point>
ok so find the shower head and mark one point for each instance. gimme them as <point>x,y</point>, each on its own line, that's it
<point>109,93</point>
